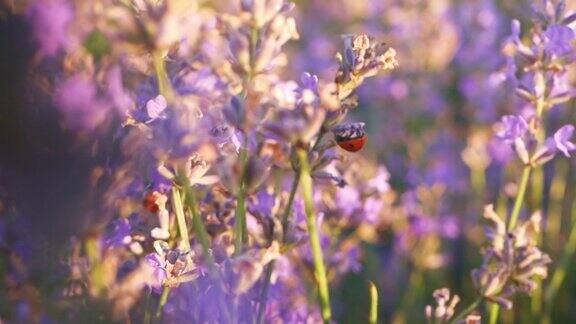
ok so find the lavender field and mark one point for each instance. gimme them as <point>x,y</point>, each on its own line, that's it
<point>264,161</point>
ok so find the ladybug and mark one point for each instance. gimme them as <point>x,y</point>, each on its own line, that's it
<point>150,201</point>
<point>351,136</point>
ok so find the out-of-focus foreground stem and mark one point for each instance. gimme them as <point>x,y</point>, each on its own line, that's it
<point>373,316</point>
<point>164,85</point>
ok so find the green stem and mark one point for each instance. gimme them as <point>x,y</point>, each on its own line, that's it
<point>254,34</point>
<point>162,302</point>
<point>270,267</point>
<point>288,210</point>
<point>93,252</point>
<point>373,316</point>
<point>147,316</point>
<point>199,229</point>
<point>537,193</point>
<point>478,180</point>
<point>319,139</point>
<point>264,292</point>
<point>320,270</point>
<point>180,218</point>
<point>494,310</point>
<point>525,179</point>
<point>466,311</point>
<point>202,236</point>
<point>519,197</point>
<point>164,85</point>
<point>240,228</point>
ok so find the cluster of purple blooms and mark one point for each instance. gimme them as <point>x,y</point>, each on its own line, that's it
<point>228,199</point>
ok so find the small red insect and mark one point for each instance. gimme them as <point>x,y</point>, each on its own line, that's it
<point>149,201</point>
<point>350,137</point>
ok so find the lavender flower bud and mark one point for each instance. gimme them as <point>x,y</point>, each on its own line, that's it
<point>362,58</point>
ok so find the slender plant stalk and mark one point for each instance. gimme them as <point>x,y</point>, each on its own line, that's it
<point>466,311</point>
<point>183,230</point>
<point>162,302</point>
<point>164,85</point>
<point>147,316</point>
<point>288,209</point>
<point>180,218</point>
<point>537,194</point>
<point>198,225</point>
<point>525,179</point>
<point>321,134</point>
<point>270,267</point>
<point>494,312</point>
<point>93,252</point>
<point>373,316</point>
<point>202,236</point>
<point>240,227</point>
<point>519,197</point>
<point>264,292</point>
<point>285,226</point>
<point>319,269</point>
<point>478,180</point>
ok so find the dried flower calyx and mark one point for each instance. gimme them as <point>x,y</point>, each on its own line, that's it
<point>363,57</point>
<point>445,305</point>
<point>512,261</point>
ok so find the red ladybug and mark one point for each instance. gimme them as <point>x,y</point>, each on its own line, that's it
<point>354,144</point>
<point>351,136</point>
<point>149,202</point>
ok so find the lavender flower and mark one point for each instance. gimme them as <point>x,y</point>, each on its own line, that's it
<point>512,261</point>
<point>516,132</point>
<point>561,140</point>
<point>515,127</point>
